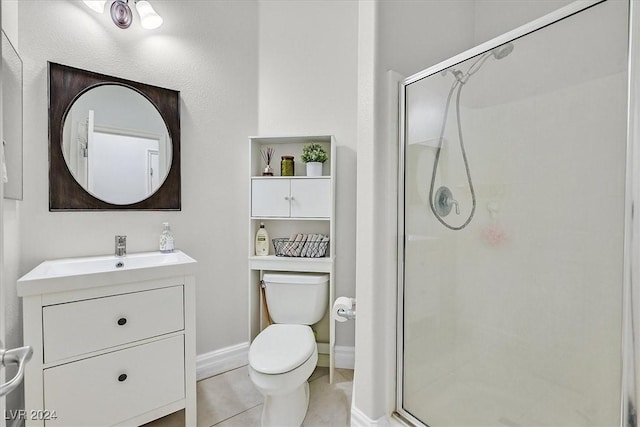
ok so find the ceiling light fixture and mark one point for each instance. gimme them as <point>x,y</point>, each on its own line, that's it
<point>122,16</point>
<point>149,19</point>
<point>97,6</point>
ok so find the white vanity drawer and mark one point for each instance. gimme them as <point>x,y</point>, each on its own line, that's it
<point>84,326</point>
<point>117,386</point>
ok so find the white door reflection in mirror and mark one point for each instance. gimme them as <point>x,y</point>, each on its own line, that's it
<point>118,167</point>
<point>153,170</point>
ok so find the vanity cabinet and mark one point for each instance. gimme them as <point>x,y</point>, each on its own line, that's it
<point>291,197</point>
<point>110,350</point>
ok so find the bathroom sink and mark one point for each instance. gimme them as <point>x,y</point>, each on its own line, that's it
<point>101,264</point>
<point>72,273</point>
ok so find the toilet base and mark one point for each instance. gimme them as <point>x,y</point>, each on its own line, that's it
<point>286,410</point>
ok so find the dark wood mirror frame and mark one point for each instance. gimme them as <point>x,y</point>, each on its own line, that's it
<point>66,84</point>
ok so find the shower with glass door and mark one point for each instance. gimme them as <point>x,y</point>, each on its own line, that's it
<point>515,229</point>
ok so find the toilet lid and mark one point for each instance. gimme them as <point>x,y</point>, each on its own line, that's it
<point>281,348</point>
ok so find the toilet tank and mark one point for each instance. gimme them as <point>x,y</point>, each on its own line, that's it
<point>296,298</point>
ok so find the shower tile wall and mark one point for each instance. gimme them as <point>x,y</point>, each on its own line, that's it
<point>530,324</point>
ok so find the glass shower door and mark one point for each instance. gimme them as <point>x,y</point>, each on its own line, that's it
<point>513,247</point>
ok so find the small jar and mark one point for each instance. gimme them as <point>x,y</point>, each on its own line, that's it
<point>287,166</point>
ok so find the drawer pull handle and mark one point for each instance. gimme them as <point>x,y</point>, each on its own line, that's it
<point>122,321</point>
<point>122,377</point>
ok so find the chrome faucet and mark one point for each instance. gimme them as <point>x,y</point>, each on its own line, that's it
<point>121,246</point>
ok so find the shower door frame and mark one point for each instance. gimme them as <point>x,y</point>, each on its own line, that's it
<point>631,262</point>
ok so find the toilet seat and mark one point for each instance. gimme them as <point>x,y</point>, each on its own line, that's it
<point>281,348</point>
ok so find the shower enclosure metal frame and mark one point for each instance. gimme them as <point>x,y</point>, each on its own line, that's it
<point>631,264</point>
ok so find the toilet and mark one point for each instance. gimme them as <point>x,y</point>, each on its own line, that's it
<point>283,356</point>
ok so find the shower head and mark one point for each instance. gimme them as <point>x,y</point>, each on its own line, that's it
<point>456,73</point>
<point>497,53</point>
<point>502,51</point>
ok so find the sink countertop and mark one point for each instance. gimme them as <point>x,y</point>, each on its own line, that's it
<point>68,274</point>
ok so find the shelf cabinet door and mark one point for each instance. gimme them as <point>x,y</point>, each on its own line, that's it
<point>311,198</point>
<point>270,198</point>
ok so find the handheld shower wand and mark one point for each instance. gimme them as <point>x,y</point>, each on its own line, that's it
<point>444,198</point>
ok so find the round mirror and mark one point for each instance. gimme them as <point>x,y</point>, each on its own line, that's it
<point>116,144</point>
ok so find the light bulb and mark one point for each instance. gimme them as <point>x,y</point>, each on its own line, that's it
<point>149,19</point>
<point>96,5</point>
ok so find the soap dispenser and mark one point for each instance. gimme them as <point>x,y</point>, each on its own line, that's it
<point>166,239</point>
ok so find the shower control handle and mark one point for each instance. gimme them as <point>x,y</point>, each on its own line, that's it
<point>444,201</point>
<point>455,202</point>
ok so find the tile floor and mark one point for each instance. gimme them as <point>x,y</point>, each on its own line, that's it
<point>230,400</point>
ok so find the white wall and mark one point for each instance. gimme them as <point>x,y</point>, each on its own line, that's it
<point>207,51</point>
<point>10,20</point>
<point>495,17</point>
<point>12,309</point>
<point>308,86</point>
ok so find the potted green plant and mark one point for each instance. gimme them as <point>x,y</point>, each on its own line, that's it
<point>314,155</point>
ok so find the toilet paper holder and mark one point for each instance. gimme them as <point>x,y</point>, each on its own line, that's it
<point>347,314</point>
<point>344,308</point>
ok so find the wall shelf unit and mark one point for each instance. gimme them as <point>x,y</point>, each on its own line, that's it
<point>289,205</point>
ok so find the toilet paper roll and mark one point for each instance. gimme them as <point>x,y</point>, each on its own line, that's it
<point>342,303</point>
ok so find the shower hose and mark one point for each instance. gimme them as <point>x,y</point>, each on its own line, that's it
<point>458,83</point>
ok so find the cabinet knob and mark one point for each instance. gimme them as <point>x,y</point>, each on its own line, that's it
<point>122,377</point>
<point>287,198</point>
<point>122,321</point>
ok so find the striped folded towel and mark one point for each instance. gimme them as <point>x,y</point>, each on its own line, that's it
<point>306,245</point>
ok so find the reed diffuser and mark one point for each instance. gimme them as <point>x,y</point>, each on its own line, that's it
<point>267,155</point>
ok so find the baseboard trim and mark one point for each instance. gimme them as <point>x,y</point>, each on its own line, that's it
<point>345,357</point>
<point>236,356</point>
<point>223,360</point>
<point>359,419</point>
